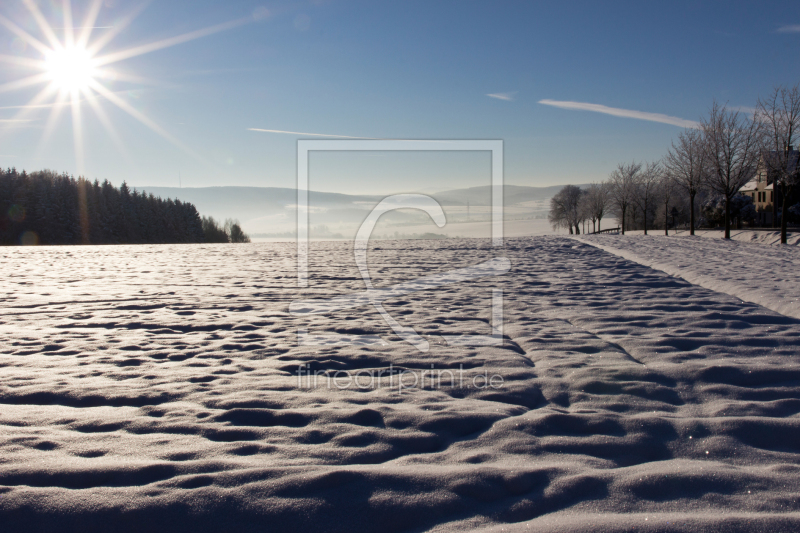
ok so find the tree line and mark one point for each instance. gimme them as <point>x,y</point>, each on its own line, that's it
<point>229,231</point>
<point>707,165</point>
<point>49,208</point>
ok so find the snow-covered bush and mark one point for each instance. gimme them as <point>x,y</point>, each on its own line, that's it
<point>712,210</point>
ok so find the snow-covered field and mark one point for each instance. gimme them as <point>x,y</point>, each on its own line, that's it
<point>157,388</point>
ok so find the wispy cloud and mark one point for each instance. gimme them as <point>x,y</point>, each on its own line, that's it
<point>791,28</point>
<point>13,120</point>
<point>311,134</point>
<point>503,96</point>
<point>744,109</point>
<point>626,113</point>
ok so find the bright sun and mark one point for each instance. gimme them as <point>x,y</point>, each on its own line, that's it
<point>71,69</point>
<point>75,68</point>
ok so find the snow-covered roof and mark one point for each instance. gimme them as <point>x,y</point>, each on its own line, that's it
<point>751,186</point>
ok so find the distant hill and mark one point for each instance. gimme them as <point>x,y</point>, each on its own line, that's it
<point>268,209</point>
<point>234,198</point>
<point>271,209</point>
<point>513,194</point>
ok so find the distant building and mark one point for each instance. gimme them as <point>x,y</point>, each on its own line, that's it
<point>762,190</point>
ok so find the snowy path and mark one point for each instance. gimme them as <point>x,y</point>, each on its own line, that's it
<point>755,272</point>
<point>157,387</point>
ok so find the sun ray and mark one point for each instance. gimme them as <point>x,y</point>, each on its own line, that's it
<point>117,75</point>
<point>41,106</point>
<point>166,43</point>
<point>125,106</point>
<point>33,103</point>
<point>109,127</point>
<point>77,132</point>
<point>50,125</point>
<point>120,25</point>
<point>29,106</point>
<point>88,23</point>
<point>25,36</point>
<point>24,82</point>
<point>42,23</point>
<point>23,61</point>
<point>69,32</point>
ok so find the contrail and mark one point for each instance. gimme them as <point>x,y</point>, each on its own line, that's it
<point>627,113</point>
<point>314,134</point>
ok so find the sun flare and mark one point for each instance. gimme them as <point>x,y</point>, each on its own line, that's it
<point>71,69</point>
<point>77,69</point>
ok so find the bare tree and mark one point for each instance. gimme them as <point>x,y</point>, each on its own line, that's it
<point>688,167</point>
<point>667,192</point>
<point>576,214</point>
<point>780,116</point>
<point>234,232</point>
<point>557,216</point>
<point>585,210</point>
<point>732,145</point>
<point>622,184</point>
<point>558,212</point>
<point>565,209</point>
<point>644,196</point>
<point>581,213</point>
<point>596,201</point>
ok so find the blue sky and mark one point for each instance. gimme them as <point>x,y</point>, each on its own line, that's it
<point>398,70</point>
